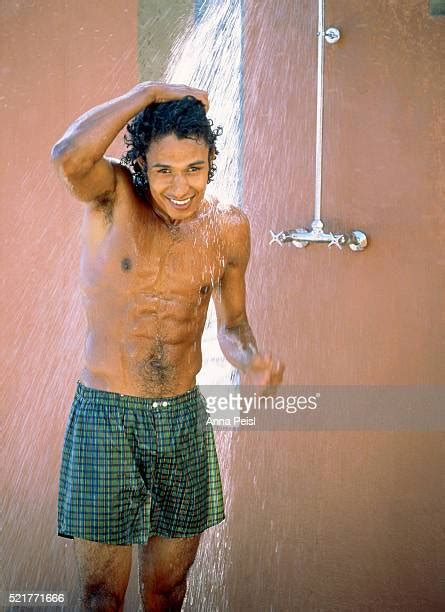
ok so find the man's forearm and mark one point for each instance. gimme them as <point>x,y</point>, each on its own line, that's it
<point>238,345</point>
<point>88,138</point>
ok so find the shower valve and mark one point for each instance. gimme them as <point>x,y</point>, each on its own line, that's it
<point>356,239</point>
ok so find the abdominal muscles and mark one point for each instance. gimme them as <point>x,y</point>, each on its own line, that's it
<point>149,350</point>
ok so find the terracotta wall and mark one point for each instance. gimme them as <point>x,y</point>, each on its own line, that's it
<point>59,60</point>
<point>319,520</point>
<point>344,520</point>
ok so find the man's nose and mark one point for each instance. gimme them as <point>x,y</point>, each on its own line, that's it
<point>180,186</point>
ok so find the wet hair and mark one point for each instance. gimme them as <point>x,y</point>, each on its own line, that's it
<point>185,118</point>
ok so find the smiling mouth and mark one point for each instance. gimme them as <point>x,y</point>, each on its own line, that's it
<point>180,203</point>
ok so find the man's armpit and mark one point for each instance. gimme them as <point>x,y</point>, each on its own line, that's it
<point>104,204</point>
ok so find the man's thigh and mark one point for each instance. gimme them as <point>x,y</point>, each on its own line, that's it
<point>104,570</point>
<point>164,562</point>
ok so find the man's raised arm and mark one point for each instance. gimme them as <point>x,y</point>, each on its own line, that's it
<point>78,155</point>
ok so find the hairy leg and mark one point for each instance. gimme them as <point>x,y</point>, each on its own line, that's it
<point>163,567</point>
<point>104,571</point>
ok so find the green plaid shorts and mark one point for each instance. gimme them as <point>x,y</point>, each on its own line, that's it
<point>134,467</point>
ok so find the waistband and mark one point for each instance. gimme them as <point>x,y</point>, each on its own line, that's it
<point>189,397</point>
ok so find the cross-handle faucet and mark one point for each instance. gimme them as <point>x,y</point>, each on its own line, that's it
<point>356,239</point>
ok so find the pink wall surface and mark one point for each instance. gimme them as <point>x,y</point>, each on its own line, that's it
<point>59,60</point>
<point>319,520</point>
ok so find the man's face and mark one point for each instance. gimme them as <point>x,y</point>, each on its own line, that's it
<point>177,173</point>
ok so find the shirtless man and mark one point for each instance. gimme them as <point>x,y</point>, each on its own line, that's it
<point>136,467</point>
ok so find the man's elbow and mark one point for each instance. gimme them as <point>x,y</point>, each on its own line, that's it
<point>67,159</point>
<point>234,326</point>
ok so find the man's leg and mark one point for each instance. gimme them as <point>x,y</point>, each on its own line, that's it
<point>163,567</point>
<point>104,570</point>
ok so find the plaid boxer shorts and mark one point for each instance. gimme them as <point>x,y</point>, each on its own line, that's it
<point>134,467</point>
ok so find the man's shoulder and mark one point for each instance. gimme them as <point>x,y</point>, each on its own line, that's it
<point>236,216</point>
<point>234,230</point>
<point>231,218</point>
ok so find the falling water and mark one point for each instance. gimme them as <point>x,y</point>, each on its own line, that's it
<point>209,57</point>
<point>318,517</point>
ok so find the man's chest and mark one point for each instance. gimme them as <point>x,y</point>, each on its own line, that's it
<point>187,262</point>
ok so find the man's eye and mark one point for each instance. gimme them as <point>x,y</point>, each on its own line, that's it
<point>194,169</point>
<point>163,171</point>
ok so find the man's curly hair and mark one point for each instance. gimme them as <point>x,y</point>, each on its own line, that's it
<point>185,118</point>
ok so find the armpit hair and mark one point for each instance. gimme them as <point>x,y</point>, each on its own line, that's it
<point>104,203</point>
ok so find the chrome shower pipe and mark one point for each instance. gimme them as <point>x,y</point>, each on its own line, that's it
<point>319,140</point>
<point>301,237</point>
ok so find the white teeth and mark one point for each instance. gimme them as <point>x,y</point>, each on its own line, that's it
<point>180,202</point>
